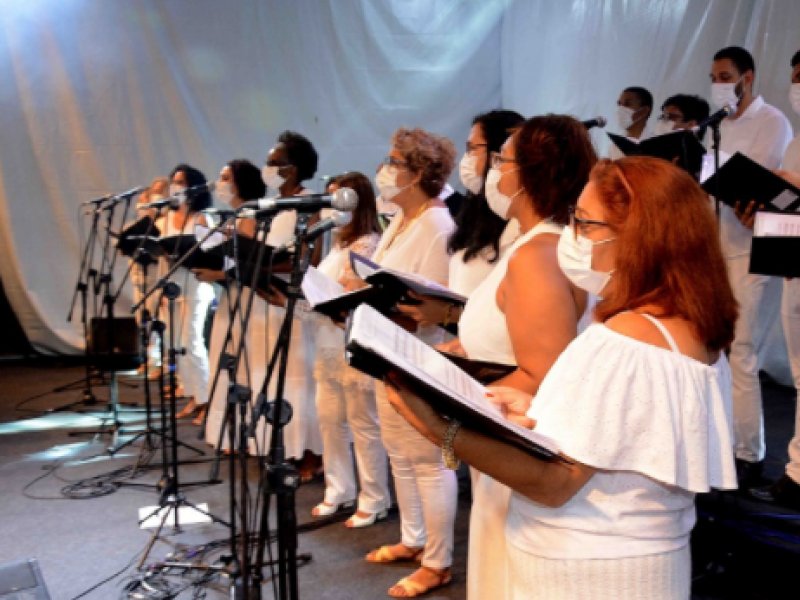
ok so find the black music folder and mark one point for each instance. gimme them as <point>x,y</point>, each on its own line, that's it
<point>180,246</point>
<point>776,244</point>
<point>742,179</point>
<point>377,346</point>
<point>681,148</point>
<point>397,283</point>
<point>385,288</point>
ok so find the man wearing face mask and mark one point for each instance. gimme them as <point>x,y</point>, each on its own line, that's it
<point>786,490</point>
<point>633,110</point>
<point>681,111</point>
<point>761,132</point>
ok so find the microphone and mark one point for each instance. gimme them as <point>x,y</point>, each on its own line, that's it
<point>173,202</point>
<point>115,198</point>
<point>195,190</point>
<point>716,118</point>
<point>337,219</point>
<point>596,122</point>
<point>343,199</point>
<point>222,213</point>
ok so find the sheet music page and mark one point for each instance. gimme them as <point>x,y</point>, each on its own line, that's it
<point>215,239</point>
<point>373,331</point>
<point>423,283</point>
<point>769,224</point>
<point>362,266</point>
<point>318,287</point>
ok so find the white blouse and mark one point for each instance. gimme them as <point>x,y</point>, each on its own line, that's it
<point>657,425</point>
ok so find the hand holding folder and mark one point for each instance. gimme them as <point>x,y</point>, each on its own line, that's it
<point>742,180</point>
<point>380,348</point>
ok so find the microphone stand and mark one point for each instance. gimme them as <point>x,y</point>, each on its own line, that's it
<point>86,272</point>
<point>171,496</point>
<point>111,360</point>
<point>281,478</point>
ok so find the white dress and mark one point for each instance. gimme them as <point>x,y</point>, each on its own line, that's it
<point>657,426</point>
<point>302,432</point>
<point>484,335</point>
<point>191,313</point>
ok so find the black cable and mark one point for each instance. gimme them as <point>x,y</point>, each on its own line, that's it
<point>107,579</point>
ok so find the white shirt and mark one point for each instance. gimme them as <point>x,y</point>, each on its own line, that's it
<point>761,133</point>
<point>655,423</point>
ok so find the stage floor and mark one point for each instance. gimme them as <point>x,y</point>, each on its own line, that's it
<point>81,542</point>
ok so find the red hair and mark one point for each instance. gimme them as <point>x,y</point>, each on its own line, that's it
<point>668,251</point>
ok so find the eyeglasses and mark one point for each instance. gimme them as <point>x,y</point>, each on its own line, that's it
<point>394,162</point>
<point>473,147</point>
<point>583,226</point>
<point>674,117</point>
<point>498,160</point>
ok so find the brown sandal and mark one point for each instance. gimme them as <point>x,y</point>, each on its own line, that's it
<point>384,555</point>
<point>410,588</point>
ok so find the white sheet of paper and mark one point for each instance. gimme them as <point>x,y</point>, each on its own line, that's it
<point>318,287</point>
<point>373,331</point>
<point>776,224</point>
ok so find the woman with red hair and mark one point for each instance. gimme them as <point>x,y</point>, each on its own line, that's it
<point>639,403</point>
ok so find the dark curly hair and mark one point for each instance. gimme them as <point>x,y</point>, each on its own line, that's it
<point>247,179</point>
<point>430,155</point>
<point>301,153</point>
<point>194,177</point>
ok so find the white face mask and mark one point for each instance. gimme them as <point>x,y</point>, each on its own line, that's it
<point>625,117</point>
<point>724,94</point>
<point>663,127</point>
<point>176,190</point>
<point>386,182</point>
<point>468,173</point>
<point>272,178</point>
<point>497,200</point>
<point>794,97</point>
<point>223,192</point>
<point>575,260</point>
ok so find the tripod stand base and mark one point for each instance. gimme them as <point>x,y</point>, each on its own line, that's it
<point>187,514</point>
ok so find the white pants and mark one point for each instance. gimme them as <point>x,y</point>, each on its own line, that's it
<point>487,563</point>
<point>748,418</point>
<point>790,315</point>
<point>192,311</point>
<point>427,492</point>
<point>342,410</point>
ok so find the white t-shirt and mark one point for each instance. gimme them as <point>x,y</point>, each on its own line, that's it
<point>656,423</point>
<point>761,133</point>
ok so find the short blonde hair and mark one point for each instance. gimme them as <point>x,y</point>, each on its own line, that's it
<point>430,155</point>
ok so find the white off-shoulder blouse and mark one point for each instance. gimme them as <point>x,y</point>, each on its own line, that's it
<point>657,426</point>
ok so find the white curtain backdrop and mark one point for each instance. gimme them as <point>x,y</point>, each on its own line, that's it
<point>101,96</point>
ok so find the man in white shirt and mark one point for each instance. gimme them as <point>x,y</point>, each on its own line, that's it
<point>786,490</point>
<point>761,132</point>
<point>634,107</point>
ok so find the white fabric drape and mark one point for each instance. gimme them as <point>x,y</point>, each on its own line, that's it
<point>99,97</point>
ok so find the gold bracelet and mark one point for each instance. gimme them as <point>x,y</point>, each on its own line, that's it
<point>448,453</point>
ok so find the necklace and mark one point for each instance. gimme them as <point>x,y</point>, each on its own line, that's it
<point>407,222</point>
